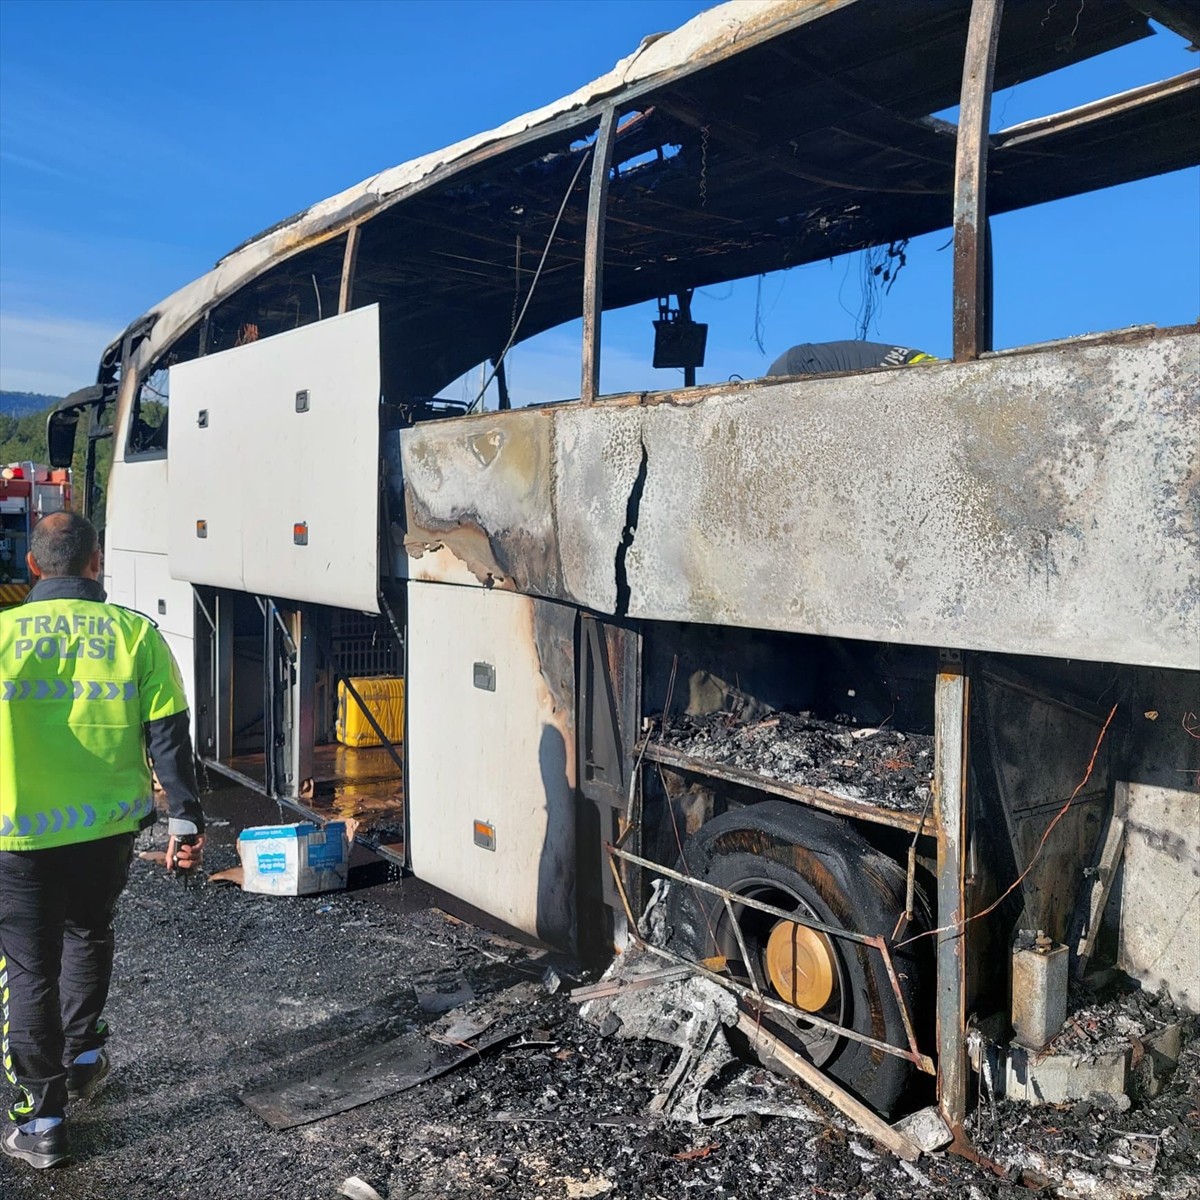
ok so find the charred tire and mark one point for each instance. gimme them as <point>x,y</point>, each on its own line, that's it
<point>820,867</point>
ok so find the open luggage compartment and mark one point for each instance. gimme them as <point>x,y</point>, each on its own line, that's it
<point>281,689</point>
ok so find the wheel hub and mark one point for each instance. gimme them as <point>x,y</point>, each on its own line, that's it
<point>800,965</point>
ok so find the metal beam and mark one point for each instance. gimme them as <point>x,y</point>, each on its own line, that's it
<point>1029,133</point>
<point>972,301</point>
<point>303,697</point>
<point>951,714</point>
<point>1173,16</point>
<point>349,263</point>
<point>593,259</point>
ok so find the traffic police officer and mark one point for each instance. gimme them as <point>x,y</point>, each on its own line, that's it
<point>88,693</point>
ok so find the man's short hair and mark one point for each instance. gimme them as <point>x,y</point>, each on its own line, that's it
<point>63,544</point>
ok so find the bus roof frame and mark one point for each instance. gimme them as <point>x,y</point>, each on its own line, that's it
<point>662,62</point>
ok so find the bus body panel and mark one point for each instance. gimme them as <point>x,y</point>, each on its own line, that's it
<point>1029,503</point>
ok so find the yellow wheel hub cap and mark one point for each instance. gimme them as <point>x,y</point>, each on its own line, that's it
<point>800,964</point>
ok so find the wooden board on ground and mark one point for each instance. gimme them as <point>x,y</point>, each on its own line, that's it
<point>868,1121</point>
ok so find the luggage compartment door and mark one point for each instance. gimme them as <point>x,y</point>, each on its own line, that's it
<point>273,473</point>
<point>491,753</point>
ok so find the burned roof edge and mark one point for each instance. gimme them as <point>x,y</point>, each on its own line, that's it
<point>736,24</point>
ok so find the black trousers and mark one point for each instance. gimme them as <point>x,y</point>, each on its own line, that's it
<point>56,941</point>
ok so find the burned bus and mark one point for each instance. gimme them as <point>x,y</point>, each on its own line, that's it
<point>851,673</point>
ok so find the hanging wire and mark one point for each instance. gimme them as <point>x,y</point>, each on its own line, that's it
<point>959,926</point>
<point>516,286</point>
<point>878,266</point>
<point>759,326</point>
<point>512,337</point>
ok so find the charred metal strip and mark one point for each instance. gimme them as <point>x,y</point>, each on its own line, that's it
<point>869,1122</point>
<point>630,919</point>
<point>349,264</point>
<point>1029,133</point>
<point>866,939</point>
<point>204,609</point>
<point>263,605</point>
<point>910,883</point>
<point>972,303</point>
<point>905,1016</point>
<point>1174,16</point>
<point>921,1061</point>
<point>743,949</point>
<point>593,260</point>
<point>951,715</point>
<point>396,633</point>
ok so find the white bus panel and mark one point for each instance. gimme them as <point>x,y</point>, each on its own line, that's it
<point>491,753</point>
<point>274,465</point>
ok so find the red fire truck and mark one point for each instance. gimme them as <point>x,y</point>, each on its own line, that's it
<point>28,492</point>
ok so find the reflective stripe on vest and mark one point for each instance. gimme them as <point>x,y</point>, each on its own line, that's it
<point>78,681</point>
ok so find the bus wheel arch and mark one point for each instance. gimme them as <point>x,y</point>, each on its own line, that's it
<point>820,867</point>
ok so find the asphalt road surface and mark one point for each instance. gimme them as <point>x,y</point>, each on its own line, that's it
<point>217,992</point>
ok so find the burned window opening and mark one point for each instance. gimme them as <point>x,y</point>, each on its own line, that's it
<point>299,291</point>
<point>149,420</point>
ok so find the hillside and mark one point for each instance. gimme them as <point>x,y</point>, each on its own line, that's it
<point>18,404</point>
<point>23,430</point>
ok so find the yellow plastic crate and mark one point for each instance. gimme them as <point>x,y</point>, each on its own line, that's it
<point>384,696</point>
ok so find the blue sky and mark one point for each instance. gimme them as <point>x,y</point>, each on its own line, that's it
<point>141,141</point>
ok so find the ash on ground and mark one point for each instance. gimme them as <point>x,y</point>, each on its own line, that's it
<point>1095,1150</point>
<point>1122,1018</point>
<point>216,990</point>
<point>882,766</point>
<point>1142,1143</point>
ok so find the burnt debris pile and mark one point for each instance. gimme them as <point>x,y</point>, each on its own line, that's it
<point>877,765</point>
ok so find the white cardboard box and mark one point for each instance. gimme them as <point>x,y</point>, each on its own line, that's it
<point>294,860</point>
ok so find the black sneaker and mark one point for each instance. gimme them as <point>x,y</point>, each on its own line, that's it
<point>39,1150</point>
<point>85,1080</point>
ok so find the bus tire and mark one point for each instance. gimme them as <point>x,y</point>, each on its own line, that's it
<point>818,865</point>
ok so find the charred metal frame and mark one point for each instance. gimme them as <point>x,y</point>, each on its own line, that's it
<point>972,315</point>
<point>951,715</point>
<point>666,756</point>
<point>972,303</point>
<point>972,250</point>
<point>349,263</point>
<point>593,260</point>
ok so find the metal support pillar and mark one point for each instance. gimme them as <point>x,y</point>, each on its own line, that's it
<point>593,259</point>
<point>223,706</point>
<point>972,278</point>
<point>349,262</point>
<point>951,714</point>
<point>303,698</point>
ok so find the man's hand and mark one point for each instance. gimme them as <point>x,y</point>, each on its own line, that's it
<point>185,853</point>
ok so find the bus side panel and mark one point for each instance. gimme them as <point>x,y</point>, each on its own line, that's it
<point>136,509</point>
<point>491,753</point>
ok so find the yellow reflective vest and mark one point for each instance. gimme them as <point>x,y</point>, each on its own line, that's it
<point>78,680</point>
